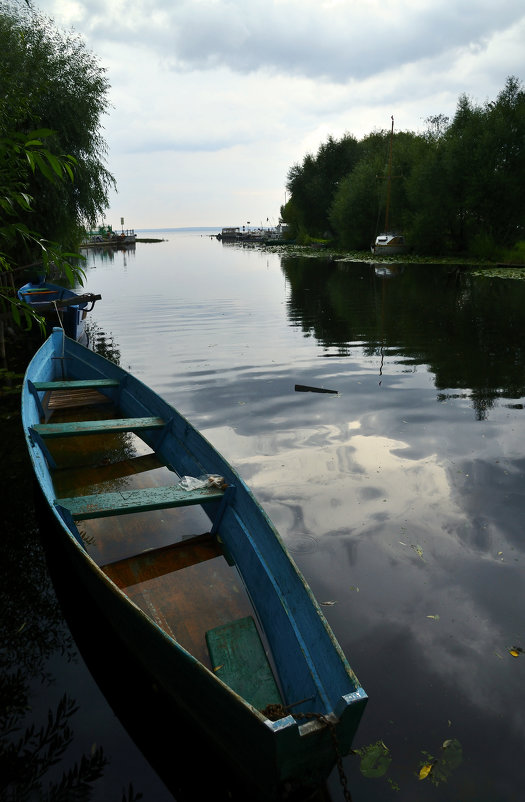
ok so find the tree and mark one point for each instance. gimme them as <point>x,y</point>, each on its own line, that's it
<point>51,81</point>
<point>466,191</point>
<point>354,209</point>
<point>20,157</point>
<point>313,184</point>
<point>53,180</point>
<point>456,188</point>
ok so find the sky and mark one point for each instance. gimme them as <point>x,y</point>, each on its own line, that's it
<point>213,101</point>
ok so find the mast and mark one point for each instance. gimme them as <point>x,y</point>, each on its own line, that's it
<point>389,178</point>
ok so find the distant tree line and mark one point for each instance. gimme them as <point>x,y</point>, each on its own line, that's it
<point>456,188</point>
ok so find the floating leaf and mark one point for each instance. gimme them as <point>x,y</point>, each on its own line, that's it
<point>433,617</point>
<point>439,769</point>
<point>329,603</point>
<point>355,588</point>
<point>375,759</point>
<point>514,651</point>
<point>425,770</point>
<point>418,550</point>
<point>451,758</point>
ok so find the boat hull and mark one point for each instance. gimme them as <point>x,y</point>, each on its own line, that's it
<point>389,245</point>
<point>312,671</point>
<point>48,300</point>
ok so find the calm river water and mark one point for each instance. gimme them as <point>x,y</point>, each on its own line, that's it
<point>401,497</point>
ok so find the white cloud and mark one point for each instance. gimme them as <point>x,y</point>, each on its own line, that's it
<point>222,97</point>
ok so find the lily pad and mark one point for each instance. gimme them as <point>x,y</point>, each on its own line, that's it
<point>375,759</point>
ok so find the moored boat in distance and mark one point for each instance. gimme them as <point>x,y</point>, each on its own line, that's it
<point>389,242</point>
<point>105,236</point>
<point>222,621</point>
<point>59,305</point>
<point>269,235</point>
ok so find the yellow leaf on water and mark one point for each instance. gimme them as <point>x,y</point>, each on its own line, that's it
<point>425,771</point>
<point>218,668</point>
<point>418,550</point>
<point>514,652</point>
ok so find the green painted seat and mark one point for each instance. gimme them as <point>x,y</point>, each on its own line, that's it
<point>104,505</point>
<point>76,384</point>
<point>238,659</point>
<point>113,425</point>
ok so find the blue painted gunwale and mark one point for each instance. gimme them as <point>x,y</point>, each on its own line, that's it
<point>309,661</point>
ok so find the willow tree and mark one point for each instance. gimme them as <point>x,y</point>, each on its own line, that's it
<point>51,81</point>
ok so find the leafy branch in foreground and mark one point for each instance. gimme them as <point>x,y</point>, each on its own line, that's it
<point>53,178</point>
<point>24,764</point>
<point>18,153</point>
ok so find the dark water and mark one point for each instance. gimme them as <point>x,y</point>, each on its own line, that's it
<point>401,497</point>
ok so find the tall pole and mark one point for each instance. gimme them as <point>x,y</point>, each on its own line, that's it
<point>389,178</point>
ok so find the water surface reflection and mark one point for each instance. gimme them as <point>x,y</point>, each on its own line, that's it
<point>401,497</point>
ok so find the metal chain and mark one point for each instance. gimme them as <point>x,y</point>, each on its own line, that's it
<point>331,726</point>
<point>278,711</point>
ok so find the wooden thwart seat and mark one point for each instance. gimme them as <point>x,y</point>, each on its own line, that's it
<point>111,426</point>
<point>69,399</point>
<point>63,394</point>
<point>103,505</point>
<point>238,659</point>
<point>164,560</point>
<point>76,384</point>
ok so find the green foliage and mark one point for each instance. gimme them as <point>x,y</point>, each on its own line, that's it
<point>20,157</point>
<point>352,212</point>
<point>53,181</point>
<point>456,188</point>
<point>313,184</point>
<point>51,82</point>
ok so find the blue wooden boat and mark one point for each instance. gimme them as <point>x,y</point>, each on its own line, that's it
<point>59,305</point>
<point>170,544</point>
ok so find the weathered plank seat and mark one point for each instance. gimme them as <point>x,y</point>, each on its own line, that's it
<point>111,426</point>
<point>238,659</point>
<point>158,562</point>
<point>76,384</point>
<point>70,392</point>
<point>103,505</point>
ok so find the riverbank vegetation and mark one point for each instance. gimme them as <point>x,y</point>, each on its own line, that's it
<point>53,178</point>
<point>456,188</point>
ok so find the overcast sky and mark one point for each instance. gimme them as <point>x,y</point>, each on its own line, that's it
<point>214,100</point>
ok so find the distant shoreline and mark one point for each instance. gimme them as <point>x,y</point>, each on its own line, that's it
<point>182,228</point>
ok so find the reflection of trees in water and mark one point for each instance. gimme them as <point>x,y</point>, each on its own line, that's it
<point>466,328</point>
<point>101,342</point>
